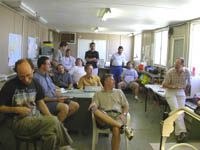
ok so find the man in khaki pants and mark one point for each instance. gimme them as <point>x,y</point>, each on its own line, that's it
<point>177,83</point>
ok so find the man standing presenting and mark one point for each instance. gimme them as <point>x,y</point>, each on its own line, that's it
<point>110,108</point>
<point>177,84</point>
<point>92,57</point>
<point>129,78</point>
<point>116,64</point>
<point>19,98</point>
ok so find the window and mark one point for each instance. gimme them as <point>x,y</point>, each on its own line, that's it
<point>137,46</point>
<point>160,48</point>
<point>194,47</point>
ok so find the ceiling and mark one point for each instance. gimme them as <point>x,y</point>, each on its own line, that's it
<point>128,16</point>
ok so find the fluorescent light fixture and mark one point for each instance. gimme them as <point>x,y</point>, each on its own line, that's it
<point>130,34</point>
<point>96,29</point>
<point>43,20</point>
<point>106,14</point>
<point>27,9</point>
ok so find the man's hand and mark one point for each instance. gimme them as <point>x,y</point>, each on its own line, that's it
<point>62,99</point>
<point>123,118</point>
<point>23,111</point>
<point>92,105</point>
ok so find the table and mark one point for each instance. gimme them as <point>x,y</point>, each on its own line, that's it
<point>157,89</point>
<point>82,120</point>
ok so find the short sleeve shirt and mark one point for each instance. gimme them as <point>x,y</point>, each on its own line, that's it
<point>46,83</point>
<point>92,54</point>
<point>112,100</point>
<point>94,80</point>
<point>58,56</point>
<point>68,62</point>
<point>62,79</point>
<point>16,93</point>
<point>117,59</point>
<point>129,75</point>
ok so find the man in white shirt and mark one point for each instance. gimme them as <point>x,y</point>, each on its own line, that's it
<point>116,63</point>
<point>60,53</point>
<point>129,78</point>
<point>68,61</point>
<point>77,71</point>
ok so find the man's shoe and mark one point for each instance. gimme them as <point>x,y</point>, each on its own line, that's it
<point>136,97</point>
<point>66,148</point>
<point>128,131</point>
<point>182,137</point>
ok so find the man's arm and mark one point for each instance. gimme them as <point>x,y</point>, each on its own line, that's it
<point>80,83</point>
<point>44,109</point>
<point>111,62</point>
<point>23,111</point>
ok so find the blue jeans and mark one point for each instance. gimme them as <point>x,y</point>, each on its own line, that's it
<point>116,71</point>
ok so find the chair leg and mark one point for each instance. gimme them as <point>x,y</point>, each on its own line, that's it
<point>35,145</point>
<point>17,145</point>
<point>27,146</point>
<point>126,142</point>
<point>94,139</point>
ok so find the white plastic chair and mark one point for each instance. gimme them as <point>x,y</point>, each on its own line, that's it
<point>96,131</point>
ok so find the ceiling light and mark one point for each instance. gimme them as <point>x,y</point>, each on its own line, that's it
<point>106,14</point>
<point>27,9</point>
<point>43,20</point>
<point>96,29</point>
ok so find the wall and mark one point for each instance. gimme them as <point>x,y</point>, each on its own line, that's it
<point>13,22</point>
<point>113,42</point>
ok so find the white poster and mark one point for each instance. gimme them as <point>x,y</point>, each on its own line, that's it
<point>14,48</point>
<point>32,48</point>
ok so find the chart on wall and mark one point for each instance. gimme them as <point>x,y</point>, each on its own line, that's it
<point>32,48</point>
<point>14,48</point>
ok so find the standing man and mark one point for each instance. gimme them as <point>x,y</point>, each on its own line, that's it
<point>57,58</point>
<point>129,78</point>
<point>110,108</point>
<point>92,57</point>
<point>20,97</point>
<point>116,63</point>
<point>68,61</point>
<point>177,84</point>
<point>58,105</point>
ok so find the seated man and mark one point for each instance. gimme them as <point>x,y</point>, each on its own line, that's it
<point>19,98</point>
<point>89,79</point>
<point>62,106</point>
<point>62,79</point>
<point>129,78</point>
<point>110,108</point>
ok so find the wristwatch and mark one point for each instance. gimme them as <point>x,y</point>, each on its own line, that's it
<point>125,113</point>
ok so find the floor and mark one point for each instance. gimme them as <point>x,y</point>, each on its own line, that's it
<point>146,127</point>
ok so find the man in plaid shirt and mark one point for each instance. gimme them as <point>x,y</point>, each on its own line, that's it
<point>177,84</point>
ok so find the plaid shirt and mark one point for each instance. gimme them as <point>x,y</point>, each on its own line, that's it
<point>179,80</point>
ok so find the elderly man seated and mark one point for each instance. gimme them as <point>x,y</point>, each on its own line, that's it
<point>20,99</point>
<point>129,78</point>
<point>89,79</point>
<point>110,108</point>
<point>62,106</point>
<point>62,79</point>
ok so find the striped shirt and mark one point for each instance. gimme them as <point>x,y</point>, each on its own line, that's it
<point>177,79</point>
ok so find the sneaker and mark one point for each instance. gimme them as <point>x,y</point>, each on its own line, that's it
<point>128,131</point>
<point>136,97</point>
<point>182,137</point>
<point>66,148</point>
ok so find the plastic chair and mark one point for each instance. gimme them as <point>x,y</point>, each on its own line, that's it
<point>96,131</point>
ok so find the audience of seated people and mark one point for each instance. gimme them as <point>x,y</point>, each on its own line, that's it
<point>129,78</point>
<point>63,107</point>
<point>89,79</point>
<point>68,61</point>
<point>62,79</point>
<point>77,71</point>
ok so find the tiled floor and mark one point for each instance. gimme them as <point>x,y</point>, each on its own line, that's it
<point>146,126</point>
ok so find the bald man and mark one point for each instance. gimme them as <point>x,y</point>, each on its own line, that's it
<point>19,100</point>
<point>177,84</point>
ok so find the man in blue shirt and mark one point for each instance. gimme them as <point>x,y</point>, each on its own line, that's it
<point>62,79</point>
<point>129,78</point>
<point>62,106</point>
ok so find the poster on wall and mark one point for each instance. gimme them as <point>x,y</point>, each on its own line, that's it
<point>14,48</point>
<point>32,48</point>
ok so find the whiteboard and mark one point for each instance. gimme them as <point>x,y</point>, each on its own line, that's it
<point>14,48</point>
<point>84,45</point>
